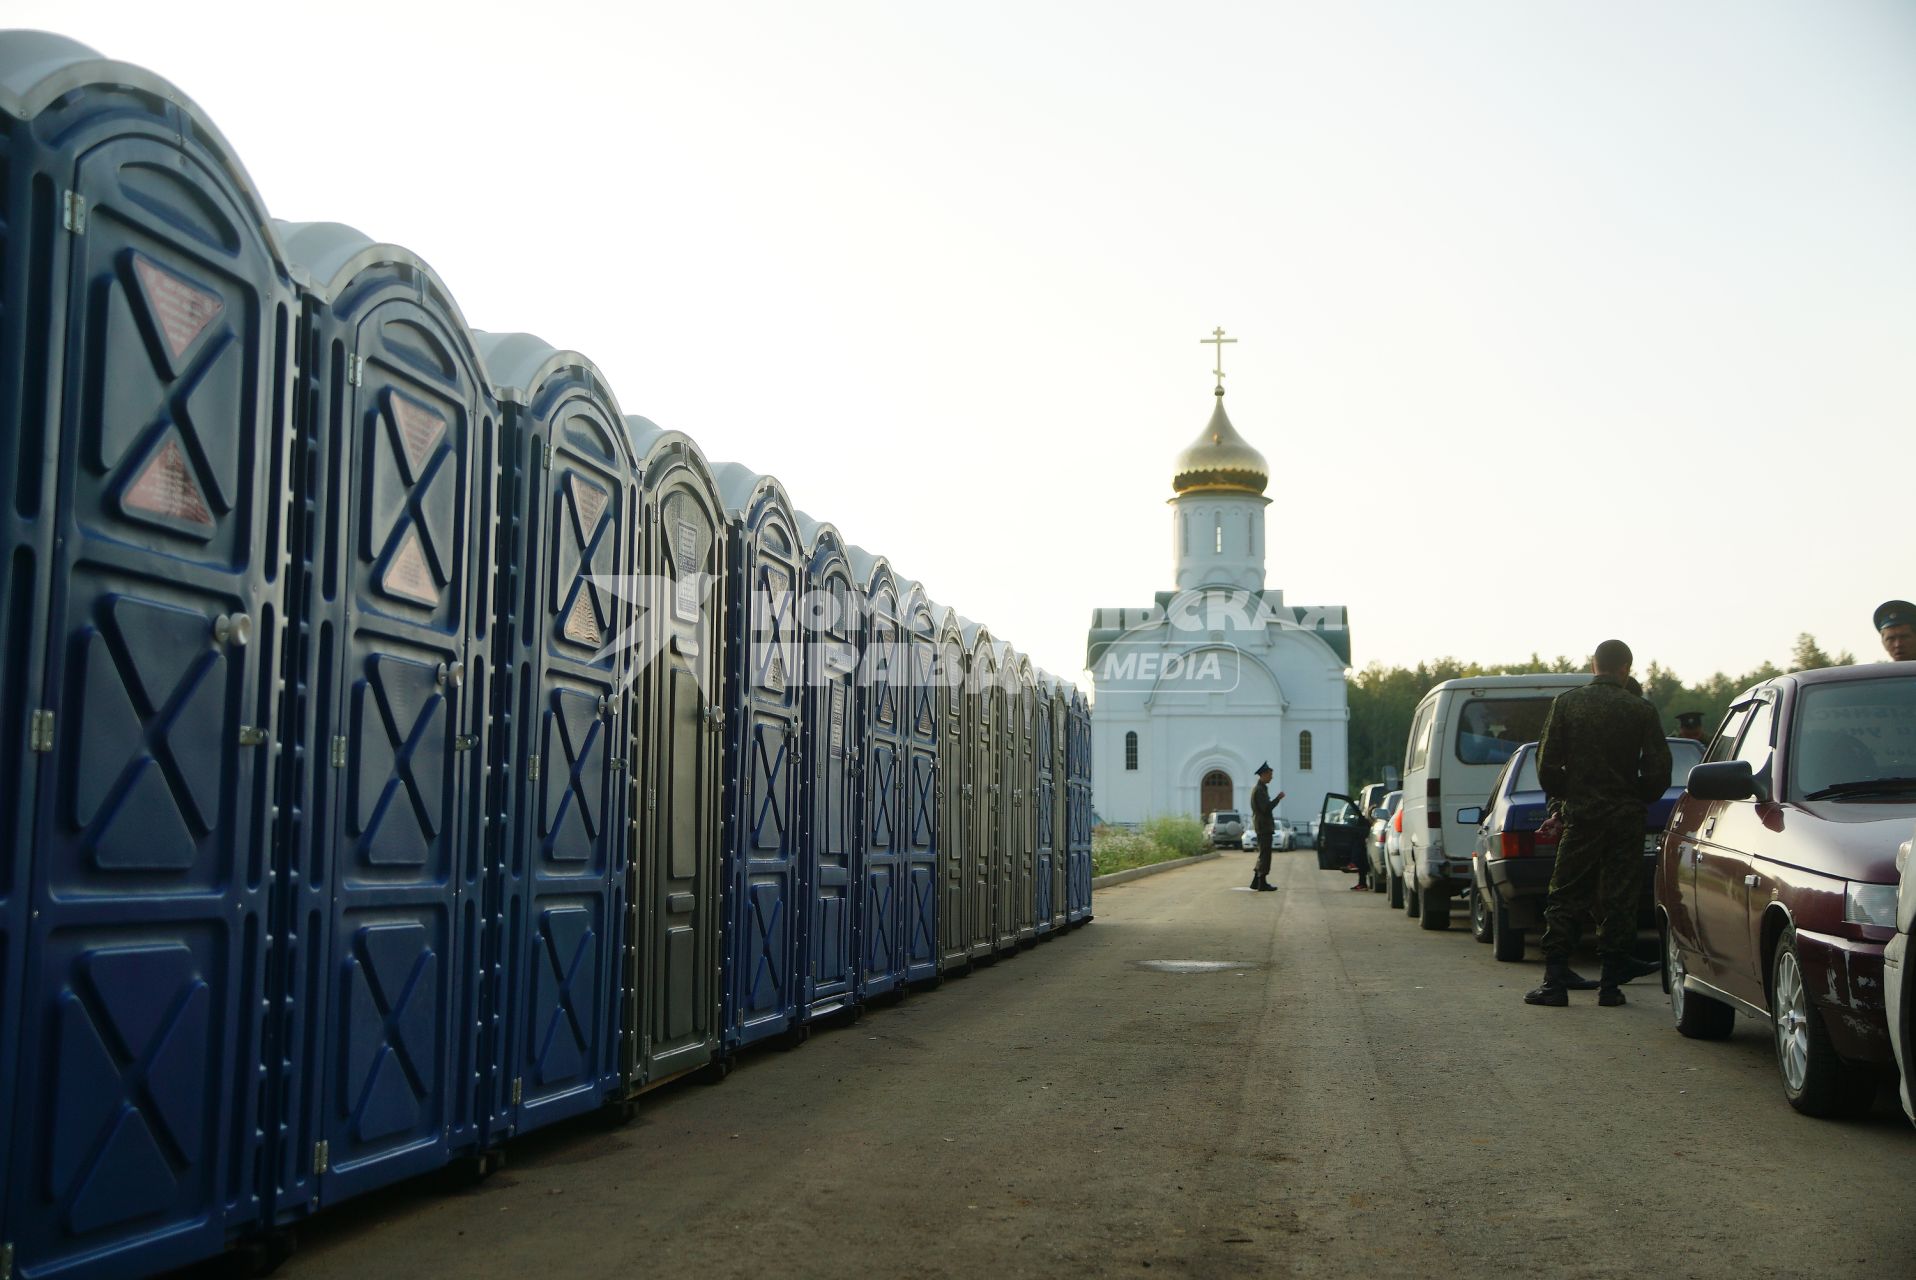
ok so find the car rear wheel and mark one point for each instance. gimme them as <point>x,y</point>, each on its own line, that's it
<point>1436,911</point>
<point>1508,943</point>
<point>1815,1080</point>
<point>1697,1017</point>
<point>1413,900</point>
<point>1481,925</point>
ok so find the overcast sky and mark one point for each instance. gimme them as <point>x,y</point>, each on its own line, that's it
<point>1557,320</point>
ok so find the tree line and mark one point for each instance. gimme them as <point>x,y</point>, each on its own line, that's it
<point>1383,699</point>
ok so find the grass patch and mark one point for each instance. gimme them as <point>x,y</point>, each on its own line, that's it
<point>1158,840</point>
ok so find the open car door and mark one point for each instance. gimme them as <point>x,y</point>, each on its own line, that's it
<point>1340,833</point>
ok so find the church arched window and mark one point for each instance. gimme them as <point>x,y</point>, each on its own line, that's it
<point>1131,751</point>
<point>1304,750</point>
<point>1219,549</point>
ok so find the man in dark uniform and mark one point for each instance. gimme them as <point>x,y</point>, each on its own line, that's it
<point>1601,761</point>
<point>1264,822</point>
<point>1896,624</point>
<point>1690,725</point>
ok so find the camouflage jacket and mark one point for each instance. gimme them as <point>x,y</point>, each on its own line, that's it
<point>1263,810</point>
<point>1602,747</point>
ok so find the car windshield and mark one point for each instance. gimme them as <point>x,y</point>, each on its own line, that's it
<point>1684,755</point>
<point>1490,730</point>
<point>1846,736</point>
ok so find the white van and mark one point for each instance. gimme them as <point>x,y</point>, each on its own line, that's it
<point>1462,734</point>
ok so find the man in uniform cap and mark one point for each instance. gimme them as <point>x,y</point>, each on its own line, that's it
<point>1690,725</point>
<point>1264,822</point>
<point>1896,624</point>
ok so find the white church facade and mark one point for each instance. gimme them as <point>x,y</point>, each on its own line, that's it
<point>1218,675</point>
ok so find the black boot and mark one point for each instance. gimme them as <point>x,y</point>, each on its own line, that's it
<point>1615,973</point>
<point>1629,967</point>
<point>1574,981</point>
<point>1553,991</point>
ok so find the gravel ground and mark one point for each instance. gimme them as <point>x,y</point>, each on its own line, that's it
<point>1353,1096</point>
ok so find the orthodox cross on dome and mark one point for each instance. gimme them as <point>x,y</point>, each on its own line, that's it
<point>1217,339</point>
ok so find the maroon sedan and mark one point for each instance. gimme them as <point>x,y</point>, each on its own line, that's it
<point>1776,881</point>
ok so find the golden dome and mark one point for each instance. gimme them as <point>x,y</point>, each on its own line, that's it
<point>1220,459</point>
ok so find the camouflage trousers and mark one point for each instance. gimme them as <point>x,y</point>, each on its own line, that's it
<point>1599,871</point>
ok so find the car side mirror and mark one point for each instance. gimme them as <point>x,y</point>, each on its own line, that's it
<point>1377,813</point>
<point>1470,817</point>
<point>1723,780</point>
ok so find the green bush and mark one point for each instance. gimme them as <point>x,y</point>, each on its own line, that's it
<point>1158,840</point>
<point>1186,835</point>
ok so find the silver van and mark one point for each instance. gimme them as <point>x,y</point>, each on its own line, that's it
<point>1460,738</point>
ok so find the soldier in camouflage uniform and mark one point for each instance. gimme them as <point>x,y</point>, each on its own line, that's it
<point>1601,762</point>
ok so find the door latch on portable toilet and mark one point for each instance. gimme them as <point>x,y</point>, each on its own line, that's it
<point>339,752</point>
<point>355,371</point>
<point>251,737</point>
<point>465,742</point>
<point>518,1090</point>
<point>73,217</point>
<point>320,1151</point>
<point>40,731</point>
<point>532,768</point>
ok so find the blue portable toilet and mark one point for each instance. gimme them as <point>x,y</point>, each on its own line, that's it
<point>1043,808</point>
<point>1078,754</point>
<point>1056,836</point>
<point>918,874</point>
<point>1024,809</point>
<point>881,778</point>
<point>984,720</point>
<point>144,312</point>
<point>764,694</point>
<point>389,673</point>
<point>830,749</point>
<point>673,959</point>
<point>562,666</point>
<point>955,851</point>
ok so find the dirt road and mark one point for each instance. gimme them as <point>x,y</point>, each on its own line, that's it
<point>1353,1096</point>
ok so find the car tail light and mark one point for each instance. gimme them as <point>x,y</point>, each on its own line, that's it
<point>1397,823</point>
<point>1434,810</point>
<point>1518,844</point>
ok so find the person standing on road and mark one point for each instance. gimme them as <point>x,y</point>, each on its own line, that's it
<point>1601,761</point>
<point>1896,625</point>
<point>1264,822</point>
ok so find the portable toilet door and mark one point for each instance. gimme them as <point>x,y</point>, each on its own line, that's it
<point>562,670</point>
<point>1058,696</point>
<point>830,750</point>
<point>1024,866</point>
<point>1043,790</point>
<point>399,449</point>
<point>1079,746</point>
<point>881,779</point>
<point>1004,764</point>
<point>144,310</point>
<point>674,964</point>
<point>918,879</point>
<point>981,731</point>
<point>764,689</point>
<point>955,851</point>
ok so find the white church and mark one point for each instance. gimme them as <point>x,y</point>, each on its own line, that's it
<point>1219,675</point>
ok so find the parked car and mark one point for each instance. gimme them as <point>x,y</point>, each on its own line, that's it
<point>1223,827</point>
<point>1510,868</point>
<point>1280,836</point>
<point>1370,795</point>
<point>1382,816</point>
<point>1462,735</point>
<point>1777,880</point>
<point>1898,990</point>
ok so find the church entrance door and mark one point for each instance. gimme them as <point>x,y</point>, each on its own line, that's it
<point>1215,791</point>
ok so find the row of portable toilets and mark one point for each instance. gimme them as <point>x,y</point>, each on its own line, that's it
<point>403,748</point>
